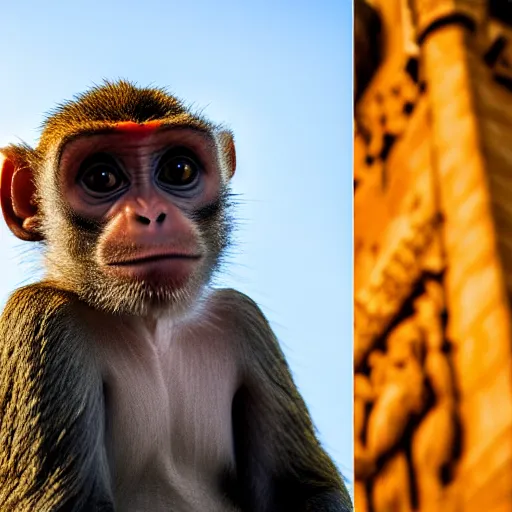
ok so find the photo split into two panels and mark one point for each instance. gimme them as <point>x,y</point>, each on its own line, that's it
<point>154,158</point>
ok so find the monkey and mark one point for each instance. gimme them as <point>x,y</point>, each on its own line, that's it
<point>128,382</point>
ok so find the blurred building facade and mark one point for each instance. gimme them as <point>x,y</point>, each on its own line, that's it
<point>433,255</point>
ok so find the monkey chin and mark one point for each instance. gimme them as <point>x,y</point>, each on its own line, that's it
<point>159,288</point>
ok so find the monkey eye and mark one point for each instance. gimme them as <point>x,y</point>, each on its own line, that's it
<point>177,169</point>
<point>101,175</point>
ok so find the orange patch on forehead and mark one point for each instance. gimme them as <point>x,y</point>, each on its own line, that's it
<point>138,128</point>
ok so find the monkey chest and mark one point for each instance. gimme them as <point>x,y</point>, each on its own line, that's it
<point>168,422</point>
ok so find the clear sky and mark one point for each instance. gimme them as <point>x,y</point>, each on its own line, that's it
<point>277,73</point>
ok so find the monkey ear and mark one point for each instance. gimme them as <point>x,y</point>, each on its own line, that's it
<point>228,149</point>
<point>17,191</point>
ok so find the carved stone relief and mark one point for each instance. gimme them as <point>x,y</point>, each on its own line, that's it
<point>431,15</point>
<point>367,45</point>
<point>383,118</point>
<point>435,439</point>
<point>407,402</point>
<point>405,419</point>
<point>498,55</point>
<point>380,301</point>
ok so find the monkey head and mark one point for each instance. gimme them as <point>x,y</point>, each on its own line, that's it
<point>128,192</point>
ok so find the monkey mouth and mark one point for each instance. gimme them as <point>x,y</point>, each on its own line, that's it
<point>153,259</point>
<point>170,269</point>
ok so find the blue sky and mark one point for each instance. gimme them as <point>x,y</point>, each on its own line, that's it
<point>278,74</point>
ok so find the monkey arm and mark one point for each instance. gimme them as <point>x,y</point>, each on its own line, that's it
<point>51,408</point>
<point>275,442</point>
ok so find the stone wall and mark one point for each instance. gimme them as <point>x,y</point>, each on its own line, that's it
<point>433,256</point>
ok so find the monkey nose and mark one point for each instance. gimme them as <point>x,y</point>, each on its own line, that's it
<point>143,219</point>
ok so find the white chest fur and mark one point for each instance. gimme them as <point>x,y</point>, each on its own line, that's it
<point>168,423</point>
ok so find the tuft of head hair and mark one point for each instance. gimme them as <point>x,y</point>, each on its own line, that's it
<point>109,103</point>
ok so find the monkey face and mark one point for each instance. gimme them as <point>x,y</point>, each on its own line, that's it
<point>139,208</point>
<point>127,190</point>
<point>133,217</point>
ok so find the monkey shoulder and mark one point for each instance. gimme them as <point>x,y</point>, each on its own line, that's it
<point>51,399</point>
<point>242,314</point>
<point>249,329</point>
<point>233,300</point>
<point>41,319</point>
<point>45,357</point>
<point>39,301</point>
